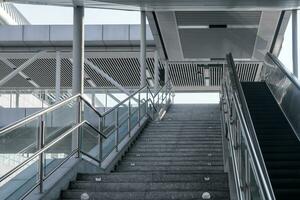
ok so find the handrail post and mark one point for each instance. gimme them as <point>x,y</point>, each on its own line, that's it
<point>139,109</point>
<point>129,117</point>
<point>100,138</point>
<point>79,131</point>
<point>117,129</point>
<point>41,157</point>
<point>146,103</point>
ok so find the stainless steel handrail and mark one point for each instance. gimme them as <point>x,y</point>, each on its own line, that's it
<point>35,115</point>
<point>255,151</point>
<point>59,138</point>
<point>59,104</point>
<point>52,143</point>
<point>40,115</point>
<point>288,74</point>
<point>122,102</point>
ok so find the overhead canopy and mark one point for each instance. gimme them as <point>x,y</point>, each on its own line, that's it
<point>160,5</point>
<point>210,35</point>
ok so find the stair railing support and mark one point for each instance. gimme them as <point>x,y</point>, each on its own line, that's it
<point>129,117</point>
<point>139,109</point>
<point>117,129</point>
<point>41,156</point>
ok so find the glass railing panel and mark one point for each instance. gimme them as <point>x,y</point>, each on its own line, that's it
<point>254,187</point>
<point>20,182</point>
<point>123,120</point>
<point>134,110</point>
<point>244,160</point>
<point>143,99</point>
<point>60,120</point>
<point>56,154</point>
<point>17,145</point>
<point>109,124</point>
<point>143,108</point>
<point>90,141</point>
<point>285,87</point>
<point>108,144</point>
<point>123,130</point>
<point>91,116</point>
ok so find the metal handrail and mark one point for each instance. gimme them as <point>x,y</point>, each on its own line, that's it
<point>42,148</point>
<point>36,154</point>
<point>59,104</point>
<point>35,115</point>
<point>52,143</point>
<point>122,102</point>
<point>289,75</point>
<point>245,117</point>
<point>90,106</point>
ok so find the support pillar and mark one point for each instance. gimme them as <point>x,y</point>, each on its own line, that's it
<point>295,42</point>
<point>143,81</point>
<point>78,68</point>
<point>57,76</point>
<point>156,71</point>
<point>78,51</point>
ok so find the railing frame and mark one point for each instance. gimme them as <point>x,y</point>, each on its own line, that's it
<point>78,125</point>
<point>241,127</point>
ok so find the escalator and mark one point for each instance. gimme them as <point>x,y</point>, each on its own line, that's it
<point>279,144</point>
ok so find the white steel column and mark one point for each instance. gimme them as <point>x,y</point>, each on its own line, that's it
<point>57,76</point>
<point>295,42</point>
<point>78,51</point>
<point>78,67</point>
<point>156,71</point>
<point>17,99</point>
<point>143,49</point>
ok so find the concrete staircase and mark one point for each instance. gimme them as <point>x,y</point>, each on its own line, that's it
<point>178,158</point>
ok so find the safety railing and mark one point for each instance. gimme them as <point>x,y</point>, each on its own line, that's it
<point>74,127</point>
<point>251,177</point>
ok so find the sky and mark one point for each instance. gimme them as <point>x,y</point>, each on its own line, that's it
<point>64,15</point>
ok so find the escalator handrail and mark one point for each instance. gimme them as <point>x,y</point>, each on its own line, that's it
<point>288,74</point>
<point>251,139</point>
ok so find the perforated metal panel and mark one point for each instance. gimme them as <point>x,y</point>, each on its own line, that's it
<point>124,70</point>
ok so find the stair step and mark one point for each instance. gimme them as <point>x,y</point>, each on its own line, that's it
<point>190,158</point>
<point>173,168</point>
<point>176,154</point>
<point>147,186</point>
<point>175,163</point>
<point>153,195</point>
<point>171,150</point>
<point>118,177</point>
<point>170,160</point>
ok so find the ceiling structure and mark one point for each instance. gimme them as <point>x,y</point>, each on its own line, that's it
<point>193,36</point>
<point>210,35</point>
<point>159,5</point>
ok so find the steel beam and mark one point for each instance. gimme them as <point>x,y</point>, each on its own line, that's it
<point>22,67</point>
<point>295,42</point>
<point>107,77</point>
<point>156,71</point>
